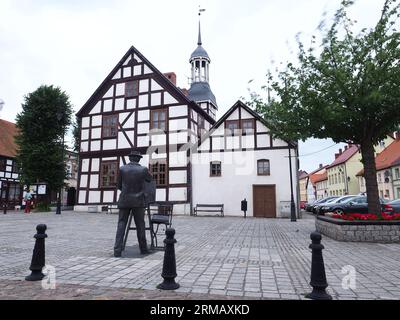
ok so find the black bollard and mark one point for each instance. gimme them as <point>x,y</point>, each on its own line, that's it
<point>38,256</point>
<point>318,276</point>
<point>169,265</point>
<point>5,208</point>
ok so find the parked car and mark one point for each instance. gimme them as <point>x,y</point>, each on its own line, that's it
<point>315,207</point>
<point>309,206</point>
<point>328,206</point>
<point>392,206</point>
<point>353,205</point>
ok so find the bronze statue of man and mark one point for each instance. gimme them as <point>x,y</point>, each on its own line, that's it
<point>132,181</point>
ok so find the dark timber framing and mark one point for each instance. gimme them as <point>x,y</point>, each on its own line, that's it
<point>129,111</point>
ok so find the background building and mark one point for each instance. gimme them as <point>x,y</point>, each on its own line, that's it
<point>10,188</point>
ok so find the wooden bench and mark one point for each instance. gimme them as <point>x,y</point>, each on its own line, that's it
<point>219,208</point>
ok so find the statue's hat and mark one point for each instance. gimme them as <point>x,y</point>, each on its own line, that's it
<point>135,153</point>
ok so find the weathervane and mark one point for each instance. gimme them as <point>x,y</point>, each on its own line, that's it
<point>201,10</point>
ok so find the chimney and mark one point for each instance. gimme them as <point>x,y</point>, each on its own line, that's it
<point>340,151</point>
<point>337,155</point>
<point>345,147</point>
<point>320,165</point>
<point>171,77</point>
<point>397,135</point>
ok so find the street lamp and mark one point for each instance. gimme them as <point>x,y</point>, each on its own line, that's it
<point>292,204</point>
<point>60,115</point>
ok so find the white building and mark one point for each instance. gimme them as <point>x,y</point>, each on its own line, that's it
<point>238,159</point>
<point>137,106</point>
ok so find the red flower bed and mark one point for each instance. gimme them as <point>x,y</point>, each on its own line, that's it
<point>368,216</point>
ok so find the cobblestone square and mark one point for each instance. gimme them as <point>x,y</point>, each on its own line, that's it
<point>224,258</point>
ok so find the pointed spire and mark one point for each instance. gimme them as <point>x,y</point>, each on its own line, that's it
<point>199,39</point>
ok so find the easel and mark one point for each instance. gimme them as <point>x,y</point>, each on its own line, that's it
<point>129,227</point>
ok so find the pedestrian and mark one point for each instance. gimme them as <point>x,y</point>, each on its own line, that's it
<point>28,200</point>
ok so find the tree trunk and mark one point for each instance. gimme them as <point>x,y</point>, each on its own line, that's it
<point>368,160</point>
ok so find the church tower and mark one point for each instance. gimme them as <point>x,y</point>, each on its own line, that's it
<point>200,90</point>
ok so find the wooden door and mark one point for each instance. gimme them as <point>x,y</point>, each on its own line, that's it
<point>264,201</point>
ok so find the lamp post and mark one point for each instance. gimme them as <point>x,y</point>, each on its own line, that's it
<point>292,204</point>
<point>59,118</point>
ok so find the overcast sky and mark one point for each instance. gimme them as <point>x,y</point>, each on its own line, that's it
<point>74,44</point>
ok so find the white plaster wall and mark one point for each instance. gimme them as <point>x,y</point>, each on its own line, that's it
<point>143,128</point>
<point>260,127</point>
<point>95,145</point>
<point>155,86</point>
<point>84,146</point>
<point>248,141</point>
<point>96,108</point>
<point>96,120</point>
<point>108,196</point>
<point>146,69</point>
<point>143,101</point>
<point>85,165</point>
<point>127,72</point>
<point>143,115</point>
<point>96,133</point>
<point>122,141</point>
<point>156,99</point>
<point>144,85</point>
<point>143,141</point>
<point>82,197</point>
<point>137,70</point>
<point>109,93</point>
<point>234,115</point>
<point>168,99</point>
<point>109,144</point>
<point>107,105</point>
<point>131,103</point>
<point>95,164</point>
<point>178,159</point>
<point>94,197</point>
<point>263,141</point>
<point>239,173</point>
<point>84,179</point>
<point>160,194</point>
<point>177,176</point>
<point>178,111</point>
<point>119,104</point>
<point>85,122</point>
<point>177,194</point>
<point>94,181</point>
<point>177,124</point>
<point>85,134</point>
<point>120,89</point>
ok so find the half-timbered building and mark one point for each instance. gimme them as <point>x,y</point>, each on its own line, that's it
<point>10,188</point>
<point>137,106</point>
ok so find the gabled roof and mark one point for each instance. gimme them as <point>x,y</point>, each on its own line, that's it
<point>344,156</point>
<point>164,81</point>
<point>302,174</point>
<point>389,157</point>
<point>320,177</point>
<point>8,131</point>
<point>249,110</point>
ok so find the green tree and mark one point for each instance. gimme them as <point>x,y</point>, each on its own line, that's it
<point>76,134</point>
<point>43,122</point>
<point>346,89</point>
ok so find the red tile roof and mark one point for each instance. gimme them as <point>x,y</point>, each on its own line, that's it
<point>8,147</point>
<point>345,155</point>
<point>390,156</point>
<point>319,177</point>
